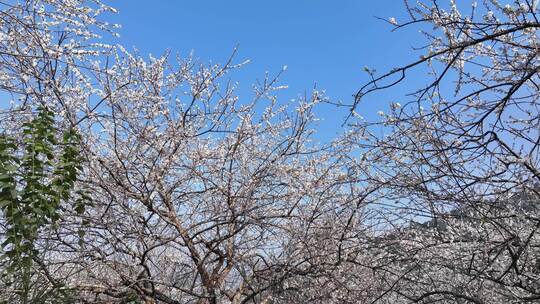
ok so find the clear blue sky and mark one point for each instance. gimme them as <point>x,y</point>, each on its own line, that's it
<point>322,42</point>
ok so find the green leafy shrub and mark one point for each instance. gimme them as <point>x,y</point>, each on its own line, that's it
<point>38,171</point>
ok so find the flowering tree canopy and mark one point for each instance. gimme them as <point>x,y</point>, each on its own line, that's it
<point>186,193</point>
<point>461,156</point>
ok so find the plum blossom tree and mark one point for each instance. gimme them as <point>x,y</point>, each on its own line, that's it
<point>200,197</point>
<point>212,197</point>
<point>43,47</point>
<point>197,197</point>
<point>461,157</point>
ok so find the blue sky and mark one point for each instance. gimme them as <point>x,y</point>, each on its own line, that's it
<point>322,42</point>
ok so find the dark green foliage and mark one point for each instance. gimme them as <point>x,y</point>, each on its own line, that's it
<point>38,171</point>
